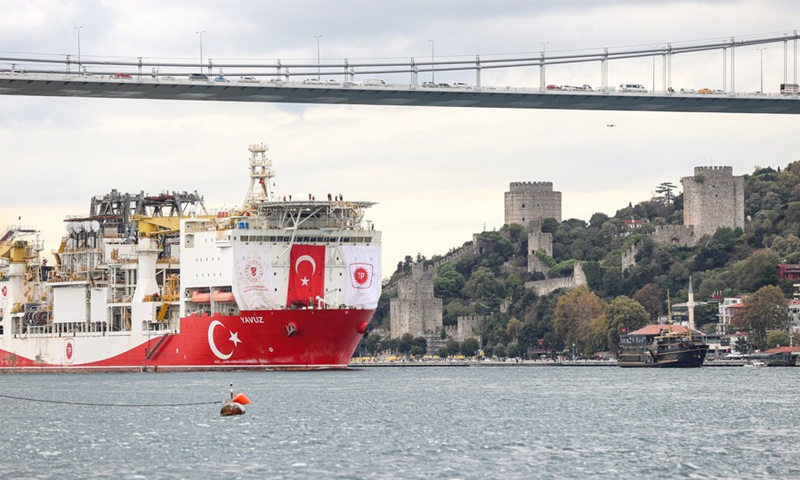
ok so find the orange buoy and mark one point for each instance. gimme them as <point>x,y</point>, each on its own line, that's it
<point>235,406</point>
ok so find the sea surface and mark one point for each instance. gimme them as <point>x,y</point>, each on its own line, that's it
<point>398,423</point>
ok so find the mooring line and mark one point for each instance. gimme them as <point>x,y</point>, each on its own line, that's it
<point>63,402</point>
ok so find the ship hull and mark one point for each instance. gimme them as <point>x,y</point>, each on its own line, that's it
<point>690,357</point>
<point>304,339</point>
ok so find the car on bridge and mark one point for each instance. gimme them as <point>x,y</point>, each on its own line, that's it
<point>429,85</point>
<point>632,88</point>
<point>198,77</point>
<point>312,81</point>
<point>248,80</point>
<point>460,85</point>
<point>122,76</point>
<point>221,79</point>
<point>705,91</point>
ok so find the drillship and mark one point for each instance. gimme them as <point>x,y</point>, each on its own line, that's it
<point>153,282</point>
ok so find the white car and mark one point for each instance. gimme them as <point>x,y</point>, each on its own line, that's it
<point>312,81</point>
<point>460,85</point>
<point>632,87</point>
<point>248,80</point>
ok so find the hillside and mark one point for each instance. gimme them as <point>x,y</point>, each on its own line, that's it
<point>727,263</point>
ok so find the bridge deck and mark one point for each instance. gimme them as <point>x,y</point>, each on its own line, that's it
<point>395,95</point>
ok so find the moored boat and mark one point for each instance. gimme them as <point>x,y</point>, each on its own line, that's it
<point>662,346</point>
<point>155,282</point>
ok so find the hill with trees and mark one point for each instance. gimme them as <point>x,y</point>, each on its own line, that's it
<point>731,262</point>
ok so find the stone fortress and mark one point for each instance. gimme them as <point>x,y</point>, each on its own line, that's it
<point>713,198</point>
<point>529,201</point>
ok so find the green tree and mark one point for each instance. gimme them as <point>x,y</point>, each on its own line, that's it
<point>665,190</point>
<point>448,282</point>
<point>484,285</point>
<point>372,343</point>
<point>513,328</point>
<point>777,338</point>
<point>420,344</point>
<point>755,271</point>
<point>470,347</point>
<point>623,312</point>
<point>405,344</point>
<point>764,310</point>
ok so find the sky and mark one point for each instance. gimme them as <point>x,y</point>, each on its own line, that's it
<point>437,173</point>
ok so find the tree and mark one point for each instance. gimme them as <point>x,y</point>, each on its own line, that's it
<point>649,297</point>
<point>665,190</point>
<point>623,313</point>
<point>573,313</point>
<point>421,346</point>
<point>448,282</point>
<point>513,328</point>
<point>373,343</point>
<point>777,338</point>
<point>405,344</point>
<point>470,347</point>
<point>763,310</point>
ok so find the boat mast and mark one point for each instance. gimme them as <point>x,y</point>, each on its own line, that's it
<point>690,305</point>
<point>261,174</point>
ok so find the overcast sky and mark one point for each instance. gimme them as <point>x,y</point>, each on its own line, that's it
<point>438,173</point>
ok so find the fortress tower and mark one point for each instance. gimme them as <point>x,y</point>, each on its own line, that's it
<point>415,310</point>
<point>527,201</point>
<point>713,198</point>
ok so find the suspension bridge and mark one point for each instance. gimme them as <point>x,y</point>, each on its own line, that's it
<point>398,83</point>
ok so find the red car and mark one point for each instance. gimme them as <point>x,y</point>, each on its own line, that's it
<point>122,76</point>
<point>553,87</point>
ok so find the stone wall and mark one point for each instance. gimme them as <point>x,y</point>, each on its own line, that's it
<point>537,240</point>
<point>544,287</point>
<point>416,310</point>
<point>468,327</point>
<point>528,201</point>
<point>628,256</point>
<point>682,235</point>
<point>713,198</point>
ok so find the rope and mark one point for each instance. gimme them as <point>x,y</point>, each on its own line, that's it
<point>110,404</point>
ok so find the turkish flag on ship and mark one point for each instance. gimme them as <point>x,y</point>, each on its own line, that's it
<point>306,274</point>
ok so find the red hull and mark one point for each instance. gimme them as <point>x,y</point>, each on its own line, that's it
<point>269,339</point>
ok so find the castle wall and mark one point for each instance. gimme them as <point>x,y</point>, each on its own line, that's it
<point>544,287</point>
<point>528,201</point>
<point>537,240</point>
<point>713,198</point>
<point>416,310</point>
<point>682,235</point>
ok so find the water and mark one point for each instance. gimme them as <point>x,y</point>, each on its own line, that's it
<point>392,423</point>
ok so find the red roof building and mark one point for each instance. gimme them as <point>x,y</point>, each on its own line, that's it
<point>788,271</point>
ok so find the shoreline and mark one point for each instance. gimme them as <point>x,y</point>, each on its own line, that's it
<point>525,363</point>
